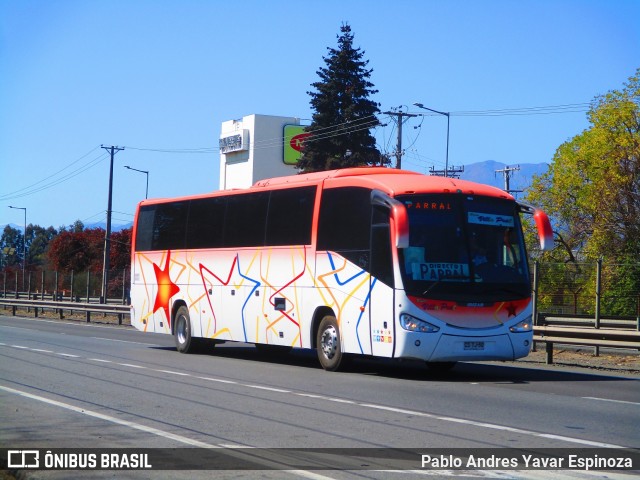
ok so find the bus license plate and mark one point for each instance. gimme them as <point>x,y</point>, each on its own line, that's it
<point>474,345</point>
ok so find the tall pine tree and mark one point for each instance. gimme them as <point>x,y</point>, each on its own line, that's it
<point>344,114</point>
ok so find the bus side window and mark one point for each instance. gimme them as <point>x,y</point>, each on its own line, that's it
<point>345,219</point>
<point>290,216</point>
<point>144,230</point>
<point>246,219</point>
<point>206,223</point>
<point>170,226</point>
<point>345,223</point>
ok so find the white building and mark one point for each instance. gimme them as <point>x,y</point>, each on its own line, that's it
<point>258,147</point>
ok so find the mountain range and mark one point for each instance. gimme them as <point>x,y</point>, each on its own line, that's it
<point>488,173</point>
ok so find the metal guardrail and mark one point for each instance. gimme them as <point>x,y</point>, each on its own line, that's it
<point>615,332</point>
<point>60,307</point>
<point>589,321</point>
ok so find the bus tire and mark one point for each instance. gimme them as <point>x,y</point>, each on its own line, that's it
<point>185,343</point>
<point>328,344</point>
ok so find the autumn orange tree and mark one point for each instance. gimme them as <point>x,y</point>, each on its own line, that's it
<point>83,250</point>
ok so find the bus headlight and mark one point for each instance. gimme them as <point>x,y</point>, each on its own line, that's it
<point>525,325</point>
<point>414,324</point>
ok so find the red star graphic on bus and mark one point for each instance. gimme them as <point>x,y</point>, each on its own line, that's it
<point>166,288</point>
<point>511,310</point>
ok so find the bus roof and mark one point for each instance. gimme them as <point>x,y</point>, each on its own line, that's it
<point>389,180</point>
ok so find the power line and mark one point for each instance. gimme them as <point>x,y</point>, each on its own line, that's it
<point>542,110</point>
<point>344,128</point>
<point>34,188</point>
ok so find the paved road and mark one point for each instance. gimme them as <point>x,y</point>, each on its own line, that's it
<point>68,385</point>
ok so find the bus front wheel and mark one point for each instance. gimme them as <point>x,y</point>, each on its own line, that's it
<point>328,344</point>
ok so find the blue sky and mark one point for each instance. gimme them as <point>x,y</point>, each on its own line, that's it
<point>163,75</point>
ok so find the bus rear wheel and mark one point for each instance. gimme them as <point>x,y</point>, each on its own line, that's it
<point>185,343</point>
<point>328,344</point>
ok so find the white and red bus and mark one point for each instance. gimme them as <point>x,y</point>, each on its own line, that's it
<point>360,261</point>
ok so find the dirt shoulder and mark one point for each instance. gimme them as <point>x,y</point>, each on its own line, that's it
<point>612,360</point>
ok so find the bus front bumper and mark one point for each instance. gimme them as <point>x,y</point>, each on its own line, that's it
<point>452,348</point>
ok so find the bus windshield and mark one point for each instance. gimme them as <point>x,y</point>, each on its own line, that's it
<point>465,248</point>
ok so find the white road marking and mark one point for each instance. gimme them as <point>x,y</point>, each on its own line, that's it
<point>109,418</point>
<point>155,431</point>
<point>131,365</point>
<point>380,407</point>
<point>611,400</point>
<point>270,389</point>
<point>172,372</point>
<point>219,380</point>
<point>126,341</point>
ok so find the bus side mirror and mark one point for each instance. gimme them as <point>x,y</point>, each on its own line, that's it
<point>400,225</point>
<point>545,233</point>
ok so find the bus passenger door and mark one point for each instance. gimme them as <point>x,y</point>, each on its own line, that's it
<point>381,292</point>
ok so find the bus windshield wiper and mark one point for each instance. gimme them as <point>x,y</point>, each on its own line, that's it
<point>444,278</point>
<point>513,291</point>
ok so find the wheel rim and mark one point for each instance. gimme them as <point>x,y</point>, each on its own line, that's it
<point>329,342</point>
<point>181,329</point>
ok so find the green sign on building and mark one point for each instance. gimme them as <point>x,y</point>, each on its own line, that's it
<point>294,136</point>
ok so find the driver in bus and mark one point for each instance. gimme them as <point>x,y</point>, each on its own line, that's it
<point>478,253</point>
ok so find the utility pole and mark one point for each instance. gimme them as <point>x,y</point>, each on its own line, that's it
<point>507,172</point>
<point>400,121</point>
<point>107,237</point>
<point>453,172</point>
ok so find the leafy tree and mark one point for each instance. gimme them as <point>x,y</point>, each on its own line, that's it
<point>592,187</point>
<point>77,226</point>
<point>38,239</point>
<point>12,240</point>
<point>344,114</point>
<point>592,193</point>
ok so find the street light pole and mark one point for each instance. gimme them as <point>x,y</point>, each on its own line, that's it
<point>24,242</point>
<point>446,114</point>
<point>146,195</point>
